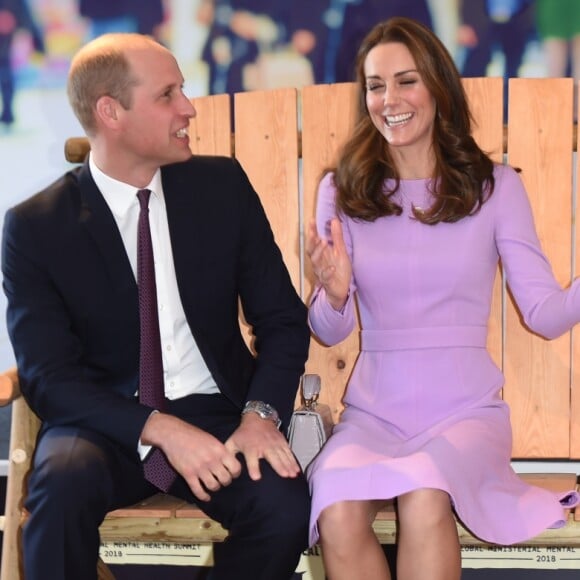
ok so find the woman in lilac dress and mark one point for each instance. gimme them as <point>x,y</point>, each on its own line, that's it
<point>411,223</point>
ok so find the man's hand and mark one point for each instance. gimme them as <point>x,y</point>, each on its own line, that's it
<point>259,438</point>
<point>201,459</point>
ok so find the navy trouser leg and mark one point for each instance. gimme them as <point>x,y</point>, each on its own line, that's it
<point>78,476</point>
<point>268,527</point>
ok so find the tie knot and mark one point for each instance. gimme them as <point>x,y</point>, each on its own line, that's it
<point>143,196</point>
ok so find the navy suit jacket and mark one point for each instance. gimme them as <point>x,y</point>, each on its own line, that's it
<point>72,297</point>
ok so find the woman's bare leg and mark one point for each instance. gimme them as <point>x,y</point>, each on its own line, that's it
<point>350,548</point>
<point>428,545</point>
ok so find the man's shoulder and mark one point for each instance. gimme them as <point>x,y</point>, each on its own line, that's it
<point>64,190</point>
<point>198,165</point>
<point>204,175</point>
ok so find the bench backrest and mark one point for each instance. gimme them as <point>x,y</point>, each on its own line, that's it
<point>284,138</point>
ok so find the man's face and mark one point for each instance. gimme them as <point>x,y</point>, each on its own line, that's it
<point>154,128</point>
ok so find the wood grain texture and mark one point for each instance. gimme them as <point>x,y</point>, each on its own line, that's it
<point>210,130</point>
<point>266,144</point>
<point>537,371</point>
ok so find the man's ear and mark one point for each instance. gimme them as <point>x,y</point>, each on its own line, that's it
<point>106,111</point>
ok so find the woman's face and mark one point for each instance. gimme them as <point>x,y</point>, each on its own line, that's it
<point>398,102</point>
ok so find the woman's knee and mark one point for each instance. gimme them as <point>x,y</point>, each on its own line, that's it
<point>425,507</point>
<point>344,520</point>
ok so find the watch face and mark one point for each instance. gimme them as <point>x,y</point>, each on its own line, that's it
<point>265,411</point>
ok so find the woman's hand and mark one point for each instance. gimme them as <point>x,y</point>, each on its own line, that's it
<point>330,262</point>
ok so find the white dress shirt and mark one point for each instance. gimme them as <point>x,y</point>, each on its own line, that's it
<point>184,370</point>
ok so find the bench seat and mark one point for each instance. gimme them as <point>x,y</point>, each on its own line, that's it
<point>163,518</point>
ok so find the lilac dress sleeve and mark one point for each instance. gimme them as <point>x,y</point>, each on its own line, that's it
<point>330,326</point>
<point>546,307</point>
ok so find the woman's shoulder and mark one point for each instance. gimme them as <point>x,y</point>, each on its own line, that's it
<point>505,173</point>
<point>327,182</point>
<point>327,189</point>
<point>507,178</point>
<point>326,197</point>
<point>509,189</point>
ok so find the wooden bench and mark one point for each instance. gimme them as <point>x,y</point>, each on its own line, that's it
<point>284,138</point>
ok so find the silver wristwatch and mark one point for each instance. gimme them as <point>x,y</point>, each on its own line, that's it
<point>265,411</point>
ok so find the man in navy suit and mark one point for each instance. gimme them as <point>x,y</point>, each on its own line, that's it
<point>69,263</point>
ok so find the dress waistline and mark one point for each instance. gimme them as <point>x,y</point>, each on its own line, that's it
<point>428,337</point>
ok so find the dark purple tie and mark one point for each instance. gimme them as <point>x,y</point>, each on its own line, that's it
<point>151,389</point>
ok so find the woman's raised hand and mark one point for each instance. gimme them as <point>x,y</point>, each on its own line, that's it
<point>330,262</point>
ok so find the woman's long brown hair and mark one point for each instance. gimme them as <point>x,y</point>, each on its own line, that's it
<point>463,177</point>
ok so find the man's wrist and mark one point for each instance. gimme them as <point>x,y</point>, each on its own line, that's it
<point>264,410</point>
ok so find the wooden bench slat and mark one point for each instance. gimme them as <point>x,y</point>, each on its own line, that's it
<point>164,530</point>
<point>157,506</point>
<point>537,385</point>
<point>210,130</point>
<point>190,510</point>
<point>266,144</point>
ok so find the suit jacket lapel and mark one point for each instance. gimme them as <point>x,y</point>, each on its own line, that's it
<point>96,217</point>
<point>182,213</point>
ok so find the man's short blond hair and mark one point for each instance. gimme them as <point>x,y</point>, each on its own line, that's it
<point>101,68</point>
